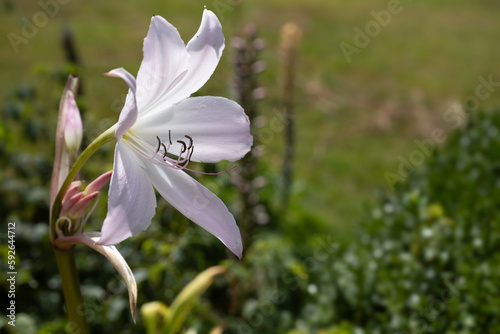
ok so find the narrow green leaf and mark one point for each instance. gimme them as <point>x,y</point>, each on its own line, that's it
<point>154,314</point>
<point>187,298</point>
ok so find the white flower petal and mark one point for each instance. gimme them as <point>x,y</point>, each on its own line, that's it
<point>132,202</point>
<point>128,115</point>
<point>197,203</point>
<point>219,128</point>
<point>114,256</point>
<point>205,49</point>
<point>164,64</point>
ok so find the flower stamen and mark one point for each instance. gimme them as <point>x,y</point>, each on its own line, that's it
<point>162,156</point>
<point>184,147</point>
<point>190,141</point>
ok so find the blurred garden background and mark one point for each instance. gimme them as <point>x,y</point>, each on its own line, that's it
<point>388,223</point>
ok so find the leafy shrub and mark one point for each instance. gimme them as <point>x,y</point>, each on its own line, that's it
<point>426,259</point>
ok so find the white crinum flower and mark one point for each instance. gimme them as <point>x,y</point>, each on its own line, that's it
<point>160,119</point>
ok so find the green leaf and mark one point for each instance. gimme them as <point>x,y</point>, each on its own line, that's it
<point>187,298</point>
<point>154,315</point>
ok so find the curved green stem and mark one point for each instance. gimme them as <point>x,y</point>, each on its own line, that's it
<point>65,257</point>
<point>105,137</point>
<point>71,290</point>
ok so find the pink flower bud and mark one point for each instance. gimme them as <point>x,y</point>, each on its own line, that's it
<point>98,183</point>
<point>73,128</point>
<point>69,203</point>
<point>77,210</point>
<point>76,202</point>
<point>74,188</point>
<point>62,159</point>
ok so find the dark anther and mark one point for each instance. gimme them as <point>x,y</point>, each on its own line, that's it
<point>185,154</point>
<point>165,149</point>
<point>184,148</point>
<point>159,144</point>
<point>190,141</point>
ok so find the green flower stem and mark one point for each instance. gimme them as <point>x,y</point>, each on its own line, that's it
<point>65,257</point>
<point>105,137</point>
<point>71,289</point>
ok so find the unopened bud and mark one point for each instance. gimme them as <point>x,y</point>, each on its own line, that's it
<point>69,203</point>
<point>63,159</point>
<point>98,183</point>
<point>74,188</point>
<point>73,128</point>
<point>77,210</point>
<point>76,202</point>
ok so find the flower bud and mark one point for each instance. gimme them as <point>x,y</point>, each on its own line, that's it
<point>68,203</point>
<point>98,183</point>
<point>62,159</point>
<point>78,210</point>
<point>73,128</point>
<point>76,202</point>
<point>74,189</point>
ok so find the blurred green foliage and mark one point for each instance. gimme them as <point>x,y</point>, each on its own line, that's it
<point>160,318</point>
<point>355,118</point>
<point>424,260</point>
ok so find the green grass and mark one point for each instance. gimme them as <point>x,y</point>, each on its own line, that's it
<point>435,48</point>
